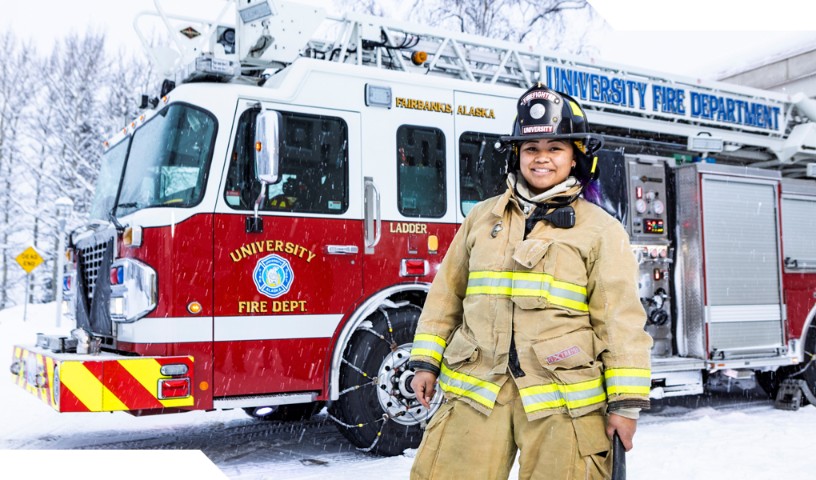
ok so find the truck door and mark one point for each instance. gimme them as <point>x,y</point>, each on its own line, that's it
<point>281,292</point>
<point>409,172</point>
<point>742,268</point>
<point>798,232</point>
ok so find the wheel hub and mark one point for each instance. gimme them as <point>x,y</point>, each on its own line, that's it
<point>394,392</point>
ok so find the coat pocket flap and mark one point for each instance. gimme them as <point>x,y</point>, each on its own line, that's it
<point>530,252</point>
<point>567,351</point>
<point>460,349</point>
<point>590,431</point>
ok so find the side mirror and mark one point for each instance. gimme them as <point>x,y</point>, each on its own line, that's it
<point>267,160</point>
<point>267,146</point>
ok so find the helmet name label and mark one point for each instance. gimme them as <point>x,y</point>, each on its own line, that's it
<point>540,95</point>
<point>536,129</point>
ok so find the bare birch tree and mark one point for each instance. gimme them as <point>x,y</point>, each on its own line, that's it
<point>556,25</point>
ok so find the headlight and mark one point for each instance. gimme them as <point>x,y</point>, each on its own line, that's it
<point>133,290</point>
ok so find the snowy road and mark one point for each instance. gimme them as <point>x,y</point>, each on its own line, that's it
<point>724,435</point>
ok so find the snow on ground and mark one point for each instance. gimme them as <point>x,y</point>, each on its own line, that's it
<point>684,441</point>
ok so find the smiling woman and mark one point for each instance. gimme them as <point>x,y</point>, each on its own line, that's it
<point>535,334</point>
<point>545,163</point>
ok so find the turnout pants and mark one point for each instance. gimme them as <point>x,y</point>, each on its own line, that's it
<point>460,442</point>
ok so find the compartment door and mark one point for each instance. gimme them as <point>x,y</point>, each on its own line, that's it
<point>742,267</point>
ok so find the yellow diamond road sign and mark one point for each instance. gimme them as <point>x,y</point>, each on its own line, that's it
<point>29,259</point>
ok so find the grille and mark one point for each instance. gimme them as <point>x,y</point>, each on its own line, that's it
<point>90,259</point>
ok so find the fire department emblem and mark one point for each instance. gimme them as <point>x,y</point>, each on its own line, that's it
<point>273,276</point>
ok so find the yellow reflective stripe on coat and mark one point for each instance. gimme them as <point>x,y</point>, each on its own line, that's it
<point>553,395</point>
<point>481,391</point>
<point>632,381</point>
<point>528,284</point>
<point>426,345</point>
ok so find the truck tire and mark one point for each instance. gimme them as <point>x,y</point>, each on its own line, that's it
<point>809,373</point>
<point>771,381</point>
<point>295,412</point>
<point>377,411</point>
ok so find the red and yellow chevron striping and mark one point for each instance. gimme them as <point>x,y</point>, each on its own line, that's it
<point>100,383</point>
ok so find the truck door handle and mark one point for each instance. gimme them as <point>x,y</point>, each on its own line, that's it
<point>373,221</point>
<point>342,249</point>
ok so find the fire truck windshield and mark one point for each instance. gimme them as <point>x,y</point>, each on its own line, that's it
<point>108,181</point>
<point>166,164</point>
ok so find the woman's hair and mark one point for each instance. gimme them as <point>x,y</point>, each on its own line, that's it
<point>592,192</point>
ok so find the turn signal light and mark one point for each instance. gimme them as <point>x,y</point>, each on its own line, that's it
<point>194,308</point>
<point>132,237</point>
<point>174,388</point>
<point>433,244</point>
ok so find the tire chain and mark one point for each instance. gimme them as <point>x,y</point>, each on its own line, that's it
<point>372,380</point>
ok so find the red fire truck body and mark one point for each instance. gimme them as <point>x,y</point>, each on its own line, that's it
<point>263,237</point>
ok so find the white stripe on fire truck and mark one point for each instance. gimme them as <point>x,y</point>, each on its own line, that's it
<point>275,327</point>
<point>167,330</point>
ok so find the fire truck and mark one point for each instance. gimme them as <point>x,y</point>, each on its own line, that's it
<point>264,235</point>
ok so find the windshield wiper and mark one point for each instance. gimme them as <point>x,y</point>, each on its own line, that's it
<point>115,221</point>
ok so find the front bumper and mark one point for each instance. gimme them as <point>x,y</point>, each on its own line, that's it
<point>70,382</point>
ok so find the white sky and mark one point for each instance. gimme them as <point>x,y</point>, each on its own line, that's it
<point>693,53</point>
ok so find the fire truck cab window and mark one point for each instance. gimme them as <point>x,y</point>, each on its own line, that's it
<point>482,169</point>
<point>421,171</point>
<point>313,166</point>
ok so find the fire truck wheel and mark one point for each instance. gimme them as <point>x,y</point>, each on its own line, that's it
<point>810,358</point>
<point>377,410</point>
<point>771,381</point>
<point>285,413</point>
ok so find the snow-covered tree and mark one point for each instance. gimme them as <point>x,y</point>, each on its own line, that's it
<point>556,25</point>
<point>17,91</point>
<point>539,21</point>
<point>56,113</point>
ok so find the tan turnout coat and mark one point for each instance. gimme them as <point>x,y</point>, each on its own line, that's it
<point>568,295</point>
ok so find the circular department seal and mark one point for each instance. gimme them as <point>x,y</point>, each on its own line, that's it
<point>537,111</point>
<point>273,276</point>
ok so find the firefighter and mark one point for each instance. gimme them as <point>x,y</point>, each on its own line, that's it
<point>533,326</point>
